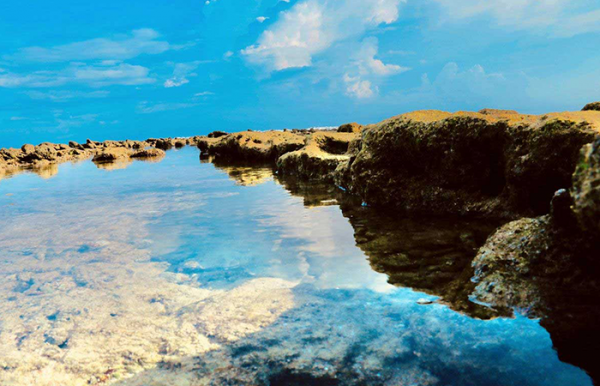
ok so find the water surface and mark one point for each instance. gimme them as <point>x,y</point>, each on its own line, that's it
<point>190,273</point>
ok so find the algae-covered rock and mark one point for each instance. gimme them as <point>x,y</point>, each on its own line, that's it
<point>594,106</point>
<point>323,153</point>
<point>586,188</point>
<point>499,163</point>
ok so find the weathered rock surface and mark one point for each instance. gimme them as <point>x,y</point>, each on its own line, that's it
<point>318,159</point>
<point>495,163</point>
<point>350,128</point>
<point>594,106</point>
<point>586,188</point>
<point>251,145</point>
<point>42,158</point>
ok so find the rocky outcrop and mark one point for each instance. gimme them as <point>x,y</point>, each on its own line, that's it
<point>317,160</point>
<point>594,106</point>
<point>41,159</point>
<point>350,128</point>
<point>251,146</point>
<point>586,189</point>
<point>494,163</point>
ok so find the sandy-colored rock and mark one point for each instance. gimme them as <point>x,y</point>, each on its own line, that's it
<point>112,154</point>
<point>319,158</point>
<point>148,153</point>
<point>252,145</point>
<point>350,128</point>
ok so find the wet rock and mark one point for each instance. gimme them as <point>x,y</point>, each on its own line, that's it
<point>586,188</point>
<point>112,154</point>
<point>319,158</point>
<point>252,146</point>
<point>164,143</point>
<point>495,164</point>
<point>148,153</point>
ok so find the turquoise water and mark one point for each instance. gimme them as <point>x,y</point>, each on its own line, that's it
<point>186,273</point>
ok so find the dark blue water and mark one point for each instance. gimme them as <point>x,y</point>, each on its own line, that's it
<point>187,273</point>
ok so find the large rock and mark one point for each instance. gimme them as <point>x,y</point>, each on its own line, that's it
<point>586,188</point>
<point>496,163</point>
<point>319,158</point>
<point>251,145</point>
<point>594,106</point>
<point>112,154</point>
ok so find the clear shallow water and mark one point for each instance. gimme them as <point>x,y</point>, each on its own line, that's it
<point>183,273</point>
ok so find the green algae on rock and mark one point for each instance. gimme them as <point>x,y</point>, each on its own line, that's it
<point>493,164</point>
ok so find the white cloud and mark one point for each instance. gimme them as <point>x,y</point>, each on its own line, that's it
<point>312,26</point>
<point>138,42</point>
<point>559,17</point>
<point>261,19</point>
<point>203,93</point>
<point>365,69</point>
<point>98,75</point>
<point>181,72</point>
<point>18,118</point>
<point>358,88</point>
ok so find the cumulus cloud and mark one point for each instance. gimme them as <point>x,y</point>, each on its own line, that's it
<point>366,68</point>
<point>312,26</point>
<point>96,75</point>
<point>138,42</point>
<point>261,19</point>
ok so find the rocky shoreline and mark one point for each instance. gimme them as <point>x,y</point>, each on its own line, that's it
<point>538,175</point>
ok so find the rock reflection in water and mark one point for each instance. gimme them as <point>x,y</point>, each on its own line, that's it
<point>170,274</point>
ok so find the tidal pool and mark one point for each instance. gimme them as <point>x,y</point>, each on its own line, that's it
<point>184,272</point>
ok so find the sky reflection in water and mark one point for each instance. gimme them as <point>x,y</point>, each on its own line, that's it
<point>175,273</point>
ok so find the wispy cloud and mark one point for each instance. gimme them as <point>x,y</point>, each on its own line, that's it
<point>98,75</point>
<point>181,73</point>
<point>121,47</point>
<point>149,108</point>
<point>556,17</point>
<point>65,95</point>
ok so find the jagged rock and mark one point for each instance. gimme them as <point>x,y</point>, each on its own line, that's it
<point>217,134</point>
<point>164,143</point>
<point>112,154</point>
<point>594,106</point>
<point>252,146</point>
<point>468,163</point>
<point>27,149</point>
<point>350,128</point>
<point>319,158</point>
<point>586,188</point>
<point>148,153</point>
<point>179,142</point>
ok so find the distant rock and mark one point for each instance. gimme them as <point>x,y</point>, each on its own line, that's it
<point>217,134</point>
<point>594,106</point>
<point>350,128</point>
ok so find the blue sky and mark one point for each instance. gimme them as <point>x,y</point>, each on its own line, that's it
<point>139,69</point>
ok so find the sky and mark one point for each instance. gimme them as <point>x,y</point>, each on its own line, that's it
<point>72,70</point>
